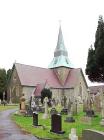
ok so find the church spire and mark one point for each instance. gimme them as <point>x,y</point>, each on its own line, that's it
<point>60,53</point>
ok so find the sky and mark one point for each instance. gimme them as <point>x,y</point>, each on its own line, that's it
<point>29,30</point>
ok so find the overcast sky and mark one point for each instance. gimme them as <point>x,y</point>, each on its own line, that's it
<point>29,30</point>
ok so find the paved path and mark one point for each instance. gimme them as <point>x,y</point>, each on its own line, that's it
<point>9,130</point>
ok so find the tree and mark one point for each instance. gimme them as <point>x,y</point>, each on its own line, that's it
<point>3,82</point>
<point>95,60</point>
<point>9,71</point>
<point>46,93</point>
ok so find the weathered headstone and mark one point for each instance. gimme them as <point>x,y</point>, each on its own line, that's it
<point>85,106</point>
<point>102,109</point>
<point>29,112</point>
<point>22,104</point>
<point>53,111</point>
<point>35,119</point>
<point>92,135</point>
<point>74,107</point>
<point>45,115</point>
<point>64,111</point>
<point>86,120</point>
<point>72,135</point>
<point>56,124</point>
<point>90,112</point>
<point>97,103</point>
<point>70,113</point>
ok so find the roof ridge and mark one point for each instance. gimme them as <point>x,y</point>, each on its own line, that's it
<point>31,65</point>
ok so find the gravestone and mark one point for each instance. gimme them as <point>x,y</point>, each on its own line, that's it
<point>74,107</point>
<point>45,115</point>
<point>92,135</point>
<point>56,124</point>
<point>86,120</point>
<point>85,105</point>
<point>35,119</point>
<point>102,110</point>
<point>90,111</point>
<point>64,111</point>
<point>29,112</point>
<point>53,111</point>
<point>22,104</point>
<point>97,103</point>
<point>72,135</point>
<point>70,113</point>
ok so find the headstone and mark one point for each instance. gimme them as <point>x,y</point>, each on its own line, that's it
<point>74,107</point>
<point>29,111</point>
<point>45,115</point>
<point>56,124</point>
<point>35,119</point>
<point>85,105</point>
<point>92,135</point>
<point>97,103</point>
<point>90,111</point>
<point>70,113</point>
<point>64,111</point>
<point>53,103</point>
<point>72,135</point>
<point>22,104</point>
<point>53,111</point>
<point>102,110</point>
<point>86,120</point>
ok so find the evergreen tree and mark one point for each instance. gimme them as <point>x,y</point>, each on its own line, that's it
<point>9,71</point>
<point>3,82</point>
<point>46,93</point>
<point>95,60</point>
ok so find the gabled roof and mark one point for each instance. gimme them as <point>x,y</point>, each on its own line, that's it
<point>31,76</point>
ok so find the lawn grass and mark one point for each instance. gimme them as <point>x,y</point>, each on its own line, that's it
<point>26,124</point>
<point>6,107</point>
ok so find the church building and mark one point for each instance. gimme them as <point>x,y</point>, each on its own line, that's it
<point>60,77</point>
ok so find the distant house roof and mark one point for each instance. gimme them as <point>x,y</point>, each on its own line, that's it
<point>31,76</point>
<point>95,89</point>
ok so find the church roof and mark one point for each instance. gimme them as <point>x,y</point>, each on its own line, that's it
<point>60,54</point>
<point>95,89</point>
<point>31,76</point>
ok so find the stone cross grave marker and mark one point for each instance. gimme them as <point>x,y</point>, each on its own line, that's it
<point>70,118</point>
<point>22,104</point>
<point>45,115</point>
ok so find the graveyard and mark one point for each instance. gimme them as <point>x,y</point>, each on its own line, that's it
<point>42,130</point>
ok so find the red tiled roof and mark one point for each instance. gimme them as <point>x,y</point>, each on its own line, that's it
<point>31,76</point>
<point>39,88</point>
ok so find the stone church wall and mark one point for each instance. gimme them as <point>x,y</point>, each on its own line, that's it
<point>28,91</point>
<point>14,89</point>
